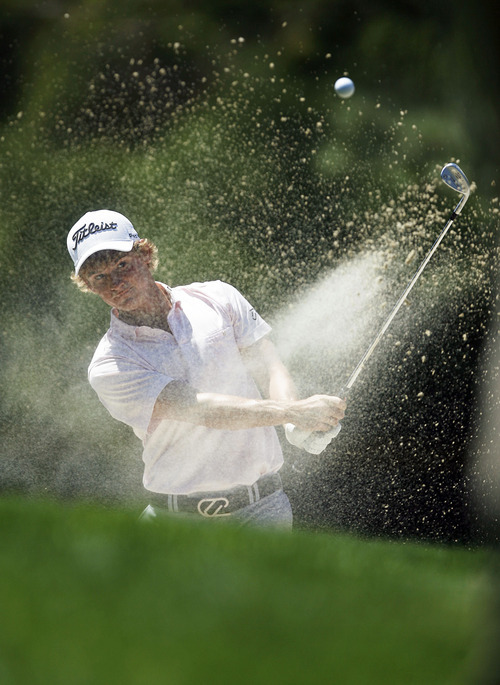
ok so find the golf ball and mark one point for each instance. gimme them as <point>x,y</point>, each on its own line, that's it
<point>344,87</point>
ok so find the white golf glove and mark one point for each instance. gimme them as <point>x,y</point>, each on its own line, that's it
<point>314,442</point>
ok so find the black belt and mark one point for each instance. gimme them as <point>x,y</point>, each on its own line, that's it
<point>216,504</point>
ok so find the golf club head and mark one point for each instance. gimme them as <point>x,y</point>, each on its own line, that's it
<point>454,177</point>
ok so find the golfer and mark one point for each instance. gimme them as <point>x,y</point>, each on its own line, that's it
<point>182,367</point>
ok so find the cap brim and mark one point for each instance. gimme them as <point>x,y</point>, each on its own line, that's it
<point>118,245</point>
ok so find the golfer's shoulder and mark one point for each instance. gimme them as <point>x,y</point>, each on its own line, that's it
<point>217,289</point>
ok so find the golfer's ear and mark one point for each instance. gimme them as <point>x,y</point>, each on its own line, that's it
<point>146,252</point>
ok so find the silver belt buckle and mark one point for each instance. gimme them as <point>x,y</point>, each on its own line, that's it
<point>212,507</point>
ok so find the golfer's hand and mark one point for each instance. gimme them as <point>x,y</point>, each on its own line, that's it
<point>312,442</point>
<point>317,413</point>
<point>317,424</point>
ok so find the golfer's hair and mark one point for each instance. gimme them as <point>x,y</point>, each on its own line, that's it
<point>104,257</point>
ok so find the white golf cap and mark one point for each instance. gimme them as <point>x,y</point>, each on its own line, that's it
<point>100,230</point>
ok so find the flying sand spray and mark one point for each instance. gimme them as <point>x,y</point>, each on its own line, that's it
<point>315,443</point>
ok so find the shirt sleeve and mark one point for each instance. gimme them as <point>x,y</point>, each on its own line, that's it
<point>128,390</point>
<point>248,325</point>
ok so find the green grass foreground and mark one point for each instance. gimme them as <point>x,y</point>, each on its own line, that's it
<point>91,596</point>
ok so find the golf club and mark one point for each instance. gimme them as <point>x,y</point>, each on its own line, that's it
<point>314,443</point>
<point>455,178</point>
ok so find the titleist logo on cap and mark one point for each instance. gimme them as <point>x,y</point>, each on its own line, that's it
<point>85,231</point>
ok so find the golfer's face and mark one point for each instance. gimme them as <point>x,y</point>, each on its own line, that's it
<point>123,282</point>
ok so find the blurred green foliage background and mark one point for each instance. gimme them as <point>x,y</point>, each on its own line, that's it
<point>216,129</point>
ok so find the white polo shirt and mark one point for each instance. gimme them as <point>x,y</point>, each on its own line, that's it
<point>210,323</point>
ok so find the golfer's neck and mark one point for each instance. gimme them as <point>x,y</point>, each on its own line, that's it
<point>152,311</point>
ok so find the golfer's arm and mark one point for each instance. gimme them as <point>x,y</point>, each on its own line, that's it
<point>281,405</point>
<point>268,371</point>
<point>181,402</point>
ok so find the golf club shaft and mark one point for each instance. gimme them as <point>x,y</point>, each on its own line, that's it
<point>315,443</point>
<point>354,375</point>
